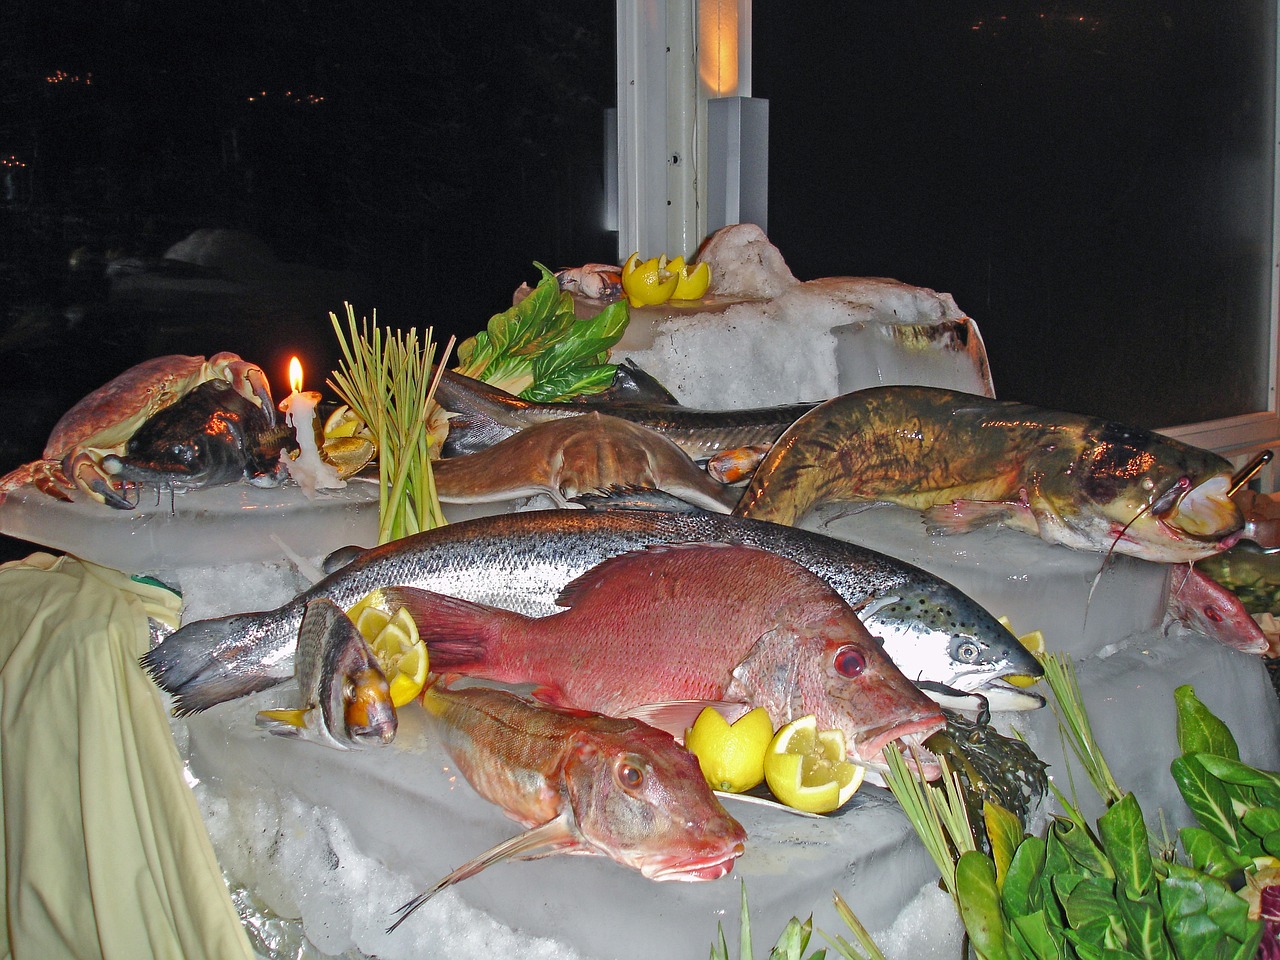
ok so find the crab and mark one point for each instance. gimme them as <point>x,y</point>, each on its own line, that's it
<point>101,424</point>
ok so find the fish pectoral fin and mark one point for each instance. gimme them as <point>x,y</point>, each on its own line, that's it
<point>677,716</point>
<point>961,516</point>
<point>554,836</point>
<point>283,722</point>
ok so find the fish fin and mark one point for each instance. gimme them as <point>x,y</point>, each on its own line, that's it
<point>962,516</point>
<point>766,802</point>
<point>460,634</point>
<point>677,716</point>
<point>283,722</point>
<point>619,566</point>
<point>636,498</point>
<point>554,836</point>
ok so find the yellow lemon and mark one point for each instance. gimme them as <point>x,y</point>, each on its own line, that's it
<point>649,282</point>
<point>394,640</point>
<point>693,281</point>
<point>731,755</point>
<point>344,422</point>
<point>806,768</point>
<point>1034,642</point>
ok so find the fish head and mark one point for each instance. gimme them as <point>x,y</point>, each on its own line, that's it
<point>1146,495</point>
<point>368,713</point>
<point>640,798</point>
<point>836,670</point>
<point>349,683</point>
<point>942,638</point>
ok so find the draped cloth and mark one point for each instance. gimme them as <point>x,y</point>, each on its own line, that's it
<point>104,850</point>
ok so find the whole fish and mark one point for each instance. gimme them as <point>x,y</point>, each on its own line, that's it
<point>968,461</point>
<point>521,562</point>
<point>1208,607</point>
<point>344,698</point>
<point>684,624</point>
<point>582,783</point>
<point>483,414</point>
<point>575,455</point>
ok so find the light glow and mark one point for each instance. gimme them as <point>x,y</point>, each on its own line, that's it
<point>718,46</point>
<point>295,375</point>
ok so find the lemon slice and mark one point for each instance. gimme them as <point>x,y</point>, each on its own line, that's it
<point>394,640</point>
<point>731,755</point>
<point>806,768</point>
<point>343,422</point>
<point>1034,642</point>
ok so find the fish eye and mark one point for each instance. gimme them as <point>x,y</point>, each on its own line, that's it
<point>849,662</point>
<point>629,774</point>
<point>967,651</point>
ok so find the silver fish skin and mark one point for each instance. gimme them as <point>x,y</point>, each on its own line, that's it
<point>582,783</point>
<point>484,414</point>
<point>521,562</point>
<point>344,697</point>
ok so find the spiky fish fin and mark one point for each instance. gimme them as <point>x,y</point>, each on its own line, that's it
<point>283,722</point>
<point>677,716</point>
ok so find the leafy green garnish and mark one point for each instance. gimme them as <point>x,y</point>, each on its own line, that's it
<point>539,350</point>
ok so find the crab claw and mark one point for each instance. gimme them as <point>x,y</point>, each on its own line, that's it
<point>85,470</point>
<point>249,379</point>
<point>45,475</point>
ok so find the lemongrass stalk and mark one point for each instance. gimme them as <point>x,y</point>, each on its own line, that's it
<point>1073,721</point>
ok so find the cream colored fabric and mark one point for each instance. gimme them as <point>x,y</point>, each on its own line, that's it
<point>105,854</point>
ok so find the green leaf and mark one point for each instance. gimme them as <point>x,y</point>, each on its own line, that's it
<point>1090,900</point>
<point>1082,848</point>
<point>1037,938</point>
<point>1271,843</point>
<point>1004,833</point>
<point>1206,797</point>
<point>980,906</point>
<point>1201,913</point>
<point>1124,838</point>
<point>793,941</point>
<point>569,382</point>
<point>1022,894</point>
<point>1199,731</point>
<point>1210,855</point>
<point>1228,910</point>
<point>1144,924</point>
<point>1233,771</point>
<point>1261,821</point>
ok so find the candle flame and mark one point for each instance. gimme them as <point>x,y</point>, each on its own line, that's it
<point>295,375</point>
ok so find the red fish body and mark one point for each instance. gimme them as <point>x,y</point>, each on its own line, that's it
<point>693,622</point>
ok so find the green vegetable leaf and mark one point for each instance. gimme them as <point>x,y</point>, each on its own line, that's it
<point>1199,731</point>
<point>1004,833</point>
<point>1090,900</point>
<point>1206,797</point>
<point>1261,821</point>
<point>1201,913</point>
<point>1210,855</point>
<point>1271,843</point>
<point>1124,838</point>
<point>793,941</point>
<point>1233,771</point>
<point>570,383</point>
<point>980,907</point>
<point>1021,893</point>
<point>1144,925</point>
<point>1037,938</point>
<point>1082,848</point>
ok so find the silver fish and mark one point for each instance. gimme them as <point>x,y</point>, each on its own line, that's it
<point>484,414</point>
<point>521,562</point>
<point>338,678</point>
<point>575,455</point>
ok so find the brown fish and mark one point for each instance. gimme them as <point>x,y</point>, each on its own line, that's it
<point>582,783</point>
<point>576,455</point>
<point>688,623</point>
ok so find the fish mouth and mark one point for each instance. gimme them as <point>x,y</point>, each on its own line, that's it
<point>1206,512</point>
<point>692,869</point>
<point>869,751</point>
<point>992,693</point>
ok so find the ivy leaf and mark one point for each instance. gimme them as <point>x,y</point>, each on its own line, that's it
<point>1199,731</point>
<point>1124,838</point>
<point>1206,797</point>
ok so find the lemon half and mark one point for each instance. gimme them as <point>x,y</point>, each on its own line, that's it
<point>394,640</point>
<point>806,768</point>
<point>731,755</point>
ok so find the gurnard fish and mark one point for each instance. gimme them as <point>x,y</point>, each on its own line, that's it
<point>969,461</point>
<point>212,436</point>
<point>344,698</point>
<point>521,562</point>
<point>582,783</point>
<point>576,455</point>
<point>673,626</point>
<point>482,414</point>
<point>1208,607</point>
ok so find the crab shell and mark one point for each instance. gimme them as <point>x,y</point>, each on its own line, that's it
<point>102,422</point>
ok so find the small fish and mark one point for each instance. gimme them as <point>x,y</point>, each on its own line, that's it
<point>682,624</point>
<point>521,562</point>
<point>968,461</point>
<point>575,455</point>
<point>582,783</point>
<point>483,414</point>
<point>1210,608</point>
<point>340,679</point>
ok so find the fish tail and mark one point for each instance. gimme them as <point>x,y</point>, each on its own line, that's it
<point>188,666</point>
<point>461,636</point>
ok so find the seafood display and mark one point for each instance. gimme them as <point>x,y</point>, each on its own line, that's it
<point>969,461</point>
<point>101,424</point>
<point>338,678</point>
<point>578,455</point>
<point>522,561</point>
<point>582,783</point>
<point>688,623</point>
<point>482,414</point>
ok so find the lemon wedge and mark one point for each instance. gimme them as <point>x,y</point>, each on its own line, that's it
<point>1034,642</point>
<point>693,282</point>
<point>731,755</point>
<point>806,768</point>
<point>394,640</point>
<point>648,282</point>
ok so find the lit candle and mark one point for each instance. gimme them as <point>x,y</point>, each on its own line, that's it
<point>308,469</point>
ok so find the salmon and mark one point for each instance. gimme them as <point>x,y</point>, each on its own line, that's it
<point>688,624</point>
